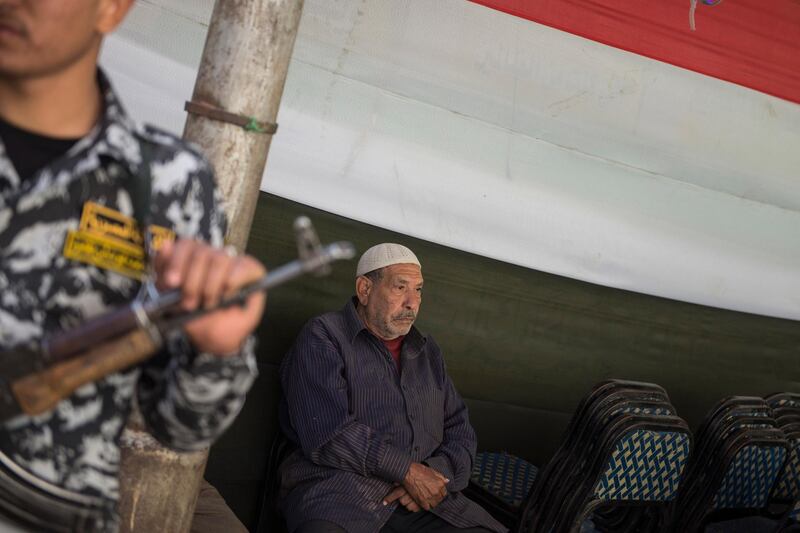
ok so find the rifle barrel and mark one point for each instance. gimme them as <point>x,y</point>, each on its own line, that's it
<point>278,276</point>
<point>164,313</point>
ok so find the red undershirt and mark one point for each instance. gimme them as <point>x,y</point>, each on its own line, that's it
<point>395,346</point>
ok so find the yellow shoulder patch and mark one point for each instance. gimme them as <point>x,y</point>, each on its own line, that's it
<point>108,239</point>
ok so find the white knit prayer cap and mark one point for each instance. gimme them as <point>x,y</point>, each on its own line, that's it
<point>383,255</point>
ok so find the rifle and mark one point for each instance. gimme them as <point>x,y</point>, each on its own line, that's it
<point>35,377</point>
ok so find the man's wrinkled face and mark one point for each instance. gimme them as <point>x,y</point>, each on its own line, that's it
<point>42,37</point>
<point>391,303</point>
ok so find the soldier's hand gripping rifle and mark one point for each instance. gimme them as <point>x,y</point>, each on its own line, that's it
<point>36,377</point>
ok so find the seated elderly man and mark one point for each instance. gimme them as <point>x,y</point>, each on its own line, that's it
<point>385,441</point>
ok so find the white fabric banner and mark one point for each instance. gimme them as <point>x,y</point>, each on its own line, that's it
<point>471,128</point>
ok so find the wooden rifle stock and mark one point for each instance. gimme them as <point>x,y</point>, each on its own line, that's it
<point>104,328</point>
<point>41,391</point>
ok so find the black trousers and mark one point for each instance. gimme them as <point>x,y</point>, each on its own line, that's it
<point>401,521</point>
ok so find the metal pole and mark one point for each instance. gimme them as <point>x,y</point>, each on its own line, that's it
<point>243,72</point>
<point>236,98</point>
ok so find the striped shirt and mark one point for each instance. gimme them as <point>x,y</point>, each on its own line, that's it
<point>359,424</point>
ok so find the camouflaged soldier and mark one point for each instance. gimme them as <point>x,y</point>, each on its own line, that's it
<point>70,163</point>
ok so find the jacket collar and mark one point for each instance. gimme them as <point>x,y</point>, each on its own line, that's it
<point>115,135</point>
<point>412,345</point>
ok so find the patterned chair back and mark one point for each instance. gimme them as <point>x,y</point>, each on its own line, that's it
<point>640,463</point>
<point>739,457</point>
<point>787,487</point>
<point>645,465</point>
<point>786,411</point>
<point>750,477</point>
<point>504,475</point>
<point>641,409</point>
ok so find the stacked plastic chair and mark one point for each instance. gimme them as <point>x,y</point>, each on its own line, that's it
<point>785,497</point>
<point>738,456</point>
<point>620,461</point>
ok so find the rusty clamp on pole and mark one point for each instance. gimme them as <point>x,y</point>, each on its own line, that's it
<point>215,113</point>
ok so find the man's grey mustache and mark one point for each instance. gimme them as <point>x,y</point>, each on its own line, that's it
<point>404,316</point>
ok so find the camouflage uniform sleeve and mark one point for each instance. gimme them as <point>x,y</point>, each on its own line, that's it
<point>187,398</point>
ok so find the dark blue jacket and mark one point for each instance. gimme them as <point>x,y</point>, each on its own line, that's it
<point>360,424</point>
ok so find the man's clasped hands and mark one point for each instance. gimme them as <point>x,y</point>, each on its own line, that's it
<point>422,488</point>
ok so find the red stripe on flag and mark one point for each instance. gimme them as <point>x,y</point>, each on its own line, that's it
<point>754,43</point>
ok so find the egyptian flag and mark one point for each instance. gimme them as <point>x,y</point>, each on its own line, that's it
<point>643,145</point>
<point>754,43</point>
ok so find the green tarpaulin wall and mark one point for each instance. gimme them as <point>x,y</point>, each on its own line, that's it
<point>521,346</point>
